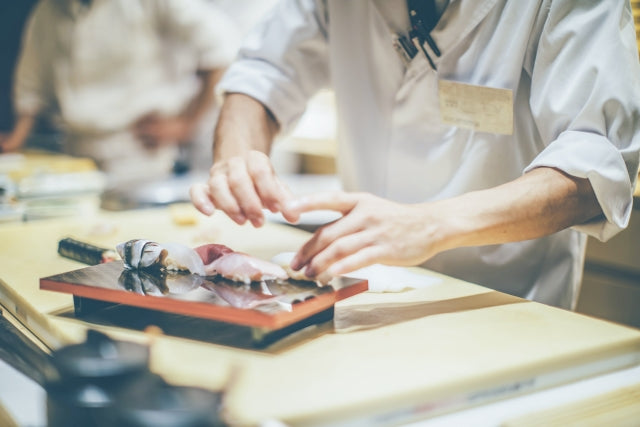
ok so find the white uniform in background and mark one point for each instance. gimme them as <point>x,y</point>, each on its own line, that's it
<point>572,71</point>
<point>99,68</point>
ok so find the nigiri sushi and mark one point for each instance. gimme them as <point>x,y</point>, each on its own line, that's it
<point>145,254</point>
<point>284,260</point>
<point>237,266</point>
<point>206,260</point>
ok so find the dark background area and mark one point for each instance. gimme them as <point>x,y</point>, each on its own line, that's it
<point>13,17</point>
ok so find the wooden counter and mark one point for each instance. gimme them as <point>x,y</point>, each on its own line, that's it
<point>447,346</point>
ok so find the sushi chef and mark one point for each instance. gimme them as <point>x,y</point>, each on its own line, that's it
<point>484,139</point>
<point>127,81</point>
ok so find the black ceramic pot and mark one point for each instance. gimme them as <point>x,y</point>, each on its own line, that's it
<point>90,377</point>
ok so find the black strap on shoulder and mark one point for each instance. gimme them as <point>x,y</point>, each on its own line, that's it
<point>423,15</point>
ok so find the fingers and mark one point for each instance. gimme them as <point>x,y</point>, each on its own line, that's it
<point>371,230</point>
<point>357,260</point>
<point>244,203</point>
<point>199,195</point>
<point>286,197</point>
<point>142,130</point>
<point>271,191</point>
<point>343,255</point>
<point>142,127</point>
<point>329,244</point>
<point>9,143</point>
<point>9,146</point>
<point>241,187</point>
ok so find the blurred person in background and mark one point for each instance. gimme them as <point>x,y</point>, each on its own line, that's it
<point>13,16</point>
<point>129,82</point>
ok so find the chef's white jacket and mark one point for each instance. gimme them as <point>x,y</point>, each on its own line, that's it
<point>572,69</point>
<point>98,69</point>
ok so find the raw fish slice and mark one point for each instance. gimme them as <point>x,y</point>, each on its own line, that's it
<point>182,258</point>
<point>238,266</point>
<point>245,268</point>
<point>284,260</point>
<point>211,252</point>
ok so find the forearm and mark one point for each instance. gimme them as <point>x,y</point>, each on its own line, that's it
<point>242,180</point>
<point>24,126</point>
<point>21,130</point>
<point>244,125</point>
<point>539,203</point>
<point>205,97</point>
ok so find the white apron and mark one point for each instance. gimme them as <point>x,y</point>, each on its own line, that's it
<point>569,113</point>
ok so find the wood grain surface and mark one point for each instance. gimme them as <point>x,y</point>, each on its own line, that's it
<point>404,356</point>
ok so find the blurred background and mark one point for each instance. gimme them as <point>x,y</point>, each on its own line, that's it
<point>112,100</point>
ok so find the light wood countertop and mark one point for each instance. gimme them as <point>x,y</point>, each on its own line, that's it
<point>450,343</point>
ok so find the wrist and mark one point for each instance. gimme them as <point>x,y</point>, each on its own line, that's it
<point>244,125</point>
<point>449,226</point>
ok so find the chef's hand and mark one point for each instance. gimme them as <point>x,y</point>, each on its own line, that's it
<point>241,187</point>
<point>155,130</point>
<point>9,143</point>
<point>15,140</point>
<point>372,230</point>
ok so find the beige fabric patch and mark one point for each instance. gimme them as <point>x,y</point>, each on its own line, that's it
<point>481,108</point>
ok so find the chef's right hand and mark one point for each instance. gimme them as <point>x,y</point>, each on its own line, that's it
<point>9,143</point>
<point>241,187</point>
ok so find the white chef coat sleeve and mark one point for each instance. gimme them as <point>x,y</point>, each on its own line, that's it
<point>202,27</point>
<point>32,91</point>
<point>283,61</point>
<point>585,96</point>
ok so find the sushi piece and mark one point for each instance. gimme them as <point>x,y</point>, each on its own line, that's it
<point>205,260</point>
<point>141,253</point>
<point>144,254</point>
<point>182,258</point>
<point>284,260</point>
<point>237,266</point>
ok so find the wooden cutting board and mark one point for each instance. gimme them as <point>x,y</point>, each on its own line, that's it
<point>270,304</point>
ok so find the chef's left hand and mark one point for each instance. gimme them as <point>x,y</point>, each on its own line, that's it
<point>372,230</point>
<point>155,130</point>
<point>9,143</point>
